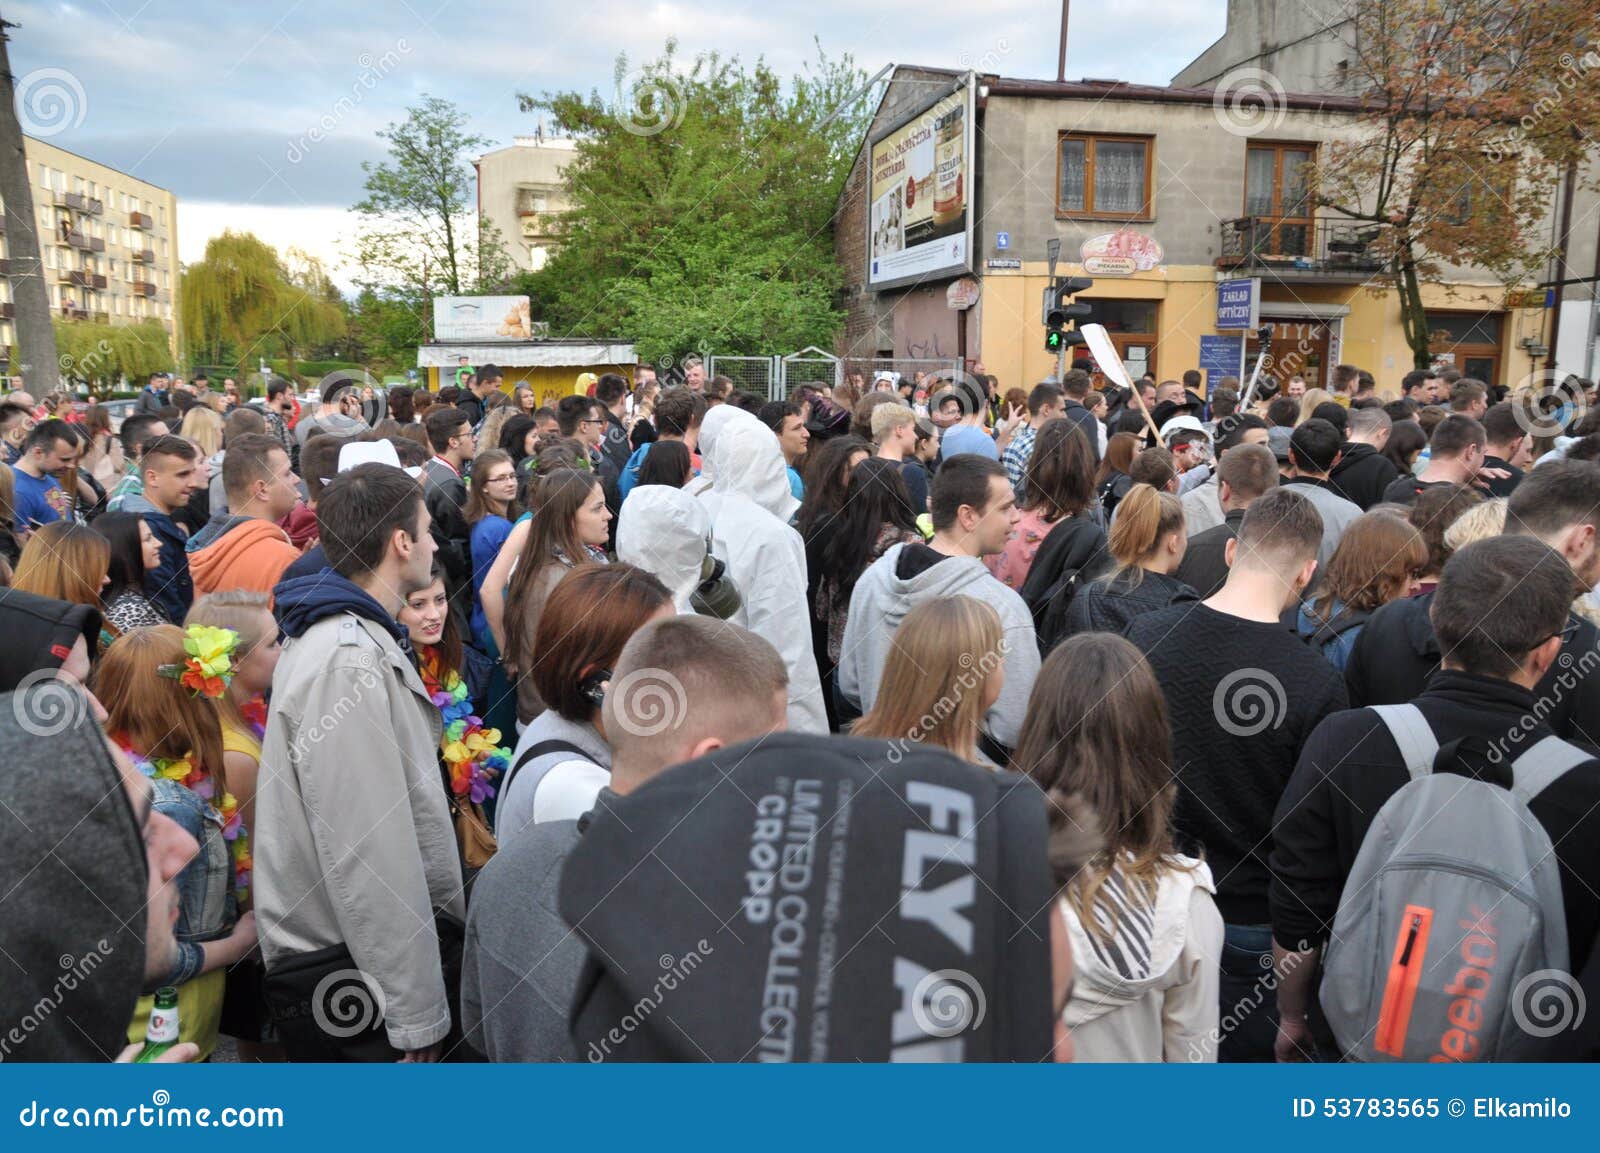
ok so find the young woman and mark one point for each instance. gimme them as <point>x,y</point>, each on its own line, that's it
<point>67,562</point>
<point>668,463</point>
<point>134,549</point>
<point>203,425</point>
<point>523,400</point>
<point>1380,558</point>
<point>1309,402</point>
<point>1406,442</point>
<point>877,517</point>
<point>1111,482</point>
<point>242,710</point>
<point>1147,542</point>
<point>491,507</point>
<point>519,438</point>
<point>562,761</point>
<point>171,732</point>
<point>1146,934</point>
<point>946,668</point>
<point>1060,487</point>
<point>828,469</point>
<point>568,528</point>
<point>103,458</point>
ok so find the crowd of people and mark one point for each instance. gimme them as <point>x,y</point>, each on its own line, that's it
<point>911,718</point>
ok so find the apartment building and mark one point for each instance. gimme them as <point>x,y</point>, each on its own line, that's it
<point>108,243</point>
<point>521,190</point>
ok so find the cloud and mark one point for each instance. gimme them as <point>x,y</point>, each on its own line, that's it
<point>320,232</point>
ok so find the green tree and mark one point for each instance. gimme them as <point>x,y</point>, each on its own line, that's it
<point>385,328</point>
<point>702,200</point>
<point>418,231</point>
<point>102,354</point>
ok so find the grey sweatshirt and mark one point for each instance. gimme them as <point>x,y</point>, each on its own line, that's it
<point>880,602</point>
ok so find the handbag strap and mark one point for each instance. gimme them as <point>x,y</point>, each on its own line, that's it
<point>533,752</point>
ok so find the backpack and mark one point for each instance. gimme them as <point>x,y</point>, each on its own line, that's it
<point>1071,554</point>
<point>1452,909</point>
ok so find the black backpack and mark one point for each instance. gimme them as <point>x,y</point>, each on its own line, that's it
<point>1071,554</point>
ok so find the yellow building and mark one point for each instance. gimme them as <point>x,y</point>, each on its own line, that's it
<point>550,367</point>
<point>108,243</point>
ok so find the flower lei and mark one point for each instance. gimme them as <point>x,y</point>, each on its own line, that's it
<point>208,667</point>
<point>254,712</point>
<point>193,776</point>
<point>472,753</point>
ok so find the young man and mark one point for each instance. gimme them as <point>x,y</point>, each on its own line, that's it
<point>339,414</point>
<point>968,434</point>
<point>611,390</point>
<point>1363,472</point>
<point>1455,456</point>
<point>974,511</point>
<point>1202,505</point>
<point>784,419</point>
<point>445,489</point>
<point>16,422</point>
<point>1246,472</point>
<point>240,422</point>
<point>583,418</point>
<point>1420,385</point>
<point>244,548</point>
<point>1506,441</point>
<point>750,507</point>
<point>279,408</point>
<point>1469,397</point>
<point>1500,612</point>
<point>349,795</point>
<point>1076,387</point>
<point>39,500</point>
<point>1314,453</point>
<point>137,431</point>
<point>522,960</point>
<point>678,415</point>
<point>895,432</point>
<point>545,422</point>
<point>481,384</point>
<point>168,467</point>
<point>153,396</point>
<point>1243,694</point>
<point>1344,380</point>
<point>1296,388</point>
<point>1397,652</point>
<point>1044,403</point>
<point>694,374</point>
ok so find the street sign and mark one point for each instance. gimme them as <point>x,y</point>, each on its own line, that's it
<point>1239,303</point>
<point>1052,252</point>
<point>1002,262</point>
<point>1220,357</point>
<point>1002,240</point>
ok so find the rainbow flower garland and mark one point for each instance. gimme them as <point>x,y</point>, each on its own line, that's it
<point>193,776</point>
<point>472,753</point>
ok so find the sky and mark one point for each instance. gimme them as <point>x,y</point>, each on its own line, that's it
<point>258,115</point>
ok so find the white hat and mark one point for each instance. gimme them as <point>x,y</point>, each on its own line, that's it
<point>359,452</point>
<point>1181,423</point>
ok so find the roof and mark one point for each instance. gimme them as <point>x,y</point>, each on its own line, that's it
<point>570,353</point>
<point>1089,89</point>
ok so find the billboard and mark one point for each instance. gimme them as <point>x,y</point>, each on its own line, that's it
<point>920,194</point>
<point>481,318</point>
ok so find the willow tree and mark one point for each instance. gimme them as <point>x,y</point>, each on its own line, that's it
<point>105,353</point>
<point>246,297</point>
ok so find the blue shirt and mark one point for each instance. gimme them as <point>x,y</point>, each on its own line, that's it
<point>797,488</point>
<point>37,501</point>
<point>488,535</point>
<point>960,438</point>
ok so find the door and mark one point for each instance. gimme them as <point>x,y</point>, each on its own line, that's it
<point>1299,348</point>
<point>1277,196</point>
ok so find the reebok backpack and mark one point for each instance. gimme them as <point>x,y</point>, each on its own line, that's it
<point>1453,901</point>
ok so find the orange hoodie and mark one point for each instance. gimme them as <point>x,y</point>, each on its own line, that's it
<point>250,555</point>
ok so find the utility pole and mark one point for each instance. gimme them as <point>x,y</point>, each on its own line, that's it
<point>36,340</point>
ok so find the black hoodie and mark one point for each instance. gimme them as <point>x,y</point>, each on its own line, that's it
<point>39,634</point>
<point>72,883</point>
<point>801,898</point>
<point>1362,474</point>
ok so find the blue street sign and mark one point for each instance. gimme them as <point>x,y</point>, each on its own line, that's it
<point>1002,240</point>
<point>1219,357</point>
<point>1239,303</point>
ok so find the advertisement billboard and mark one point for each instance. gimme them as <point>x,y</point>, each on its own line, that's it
<point>920,194</point>
<point>481,318</point>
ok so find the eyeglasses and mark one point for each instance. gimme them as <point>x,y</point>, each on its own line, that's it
<point>1568,631</point>
<point>510,476</point>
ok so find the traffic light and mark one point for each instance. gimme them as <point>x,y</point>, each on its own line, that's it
<point>1054,338</point>
<point>1060,310</point>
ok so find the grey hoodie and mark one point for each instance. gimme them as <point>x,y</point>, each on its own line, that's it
<point>880,602</point>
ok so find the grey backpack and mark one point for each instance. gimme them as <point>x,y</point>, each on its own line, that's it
<point>1454,899</point>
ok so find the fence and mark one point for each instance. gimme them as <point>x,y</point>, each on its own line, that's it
<point>776,377</point>
<point>757,374</point>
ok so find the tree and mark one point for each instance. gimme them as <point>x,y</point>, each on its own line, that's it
<point>702,200</point>
<point>30,299</point>
<point>1471,110</point>
<point>105,353</point>
<point>418,231</point>
<point>242,301</point>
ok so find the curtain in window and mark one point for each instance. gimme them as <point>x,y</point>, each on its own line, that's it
<point>1072,182</point>
<point>1259,173</point>
<point>1119,176</point>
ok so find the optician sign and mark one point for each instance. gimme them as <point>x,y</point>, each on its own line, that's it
<point>920,226</point>
<point>1239,303</point>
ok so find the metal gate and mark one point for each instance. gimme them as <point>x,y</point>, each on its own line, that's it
<point>808,366</point>
<point>757,374</point>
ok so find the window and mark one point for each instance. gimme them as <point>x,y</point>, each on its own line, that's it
<point>1276,193</point>
<point>1468,340</point>
<point>44,177</point>
<point>1104,176</point>
<point>1131,324</point>
<point>1476,191</point>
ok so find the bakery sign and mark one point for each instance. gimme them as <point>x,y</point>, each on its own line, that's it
<point>1120,253</point>
<point>481,318</point>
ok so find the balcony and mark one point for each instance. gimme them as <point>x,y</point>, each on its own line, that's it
<point>97,281</point>
<point>74,312</point>
<point>1300,251</point>
<point>97,244</point>
<point>144,287</point>
<point>76,276</point>
<point>73,239</point>
<point>8,311</point>
<point>76,201</point>
<point>95,207</point>
<point>144,255</point>
<point>140,220</point>
<point>101,317</point>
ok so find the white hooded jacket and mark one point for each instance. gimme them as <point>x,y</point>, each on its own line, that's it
<point>1150,991</point>
<point>663,530</point>
<point>750,505</point>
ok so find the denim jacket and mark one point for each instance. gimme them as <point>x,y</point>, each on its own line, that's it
<point>208,907</point>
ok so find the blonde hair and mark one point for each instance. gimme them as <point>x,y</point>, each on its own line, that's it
<point>489,432</point>
<point>65,561</point>
<point>1309,402</point>
<point>202,425</point>
<point>1145,517</point>
<point>239,610</point>
<point>931,691</point>
<point>1480,522</point>
<point>159,717</point>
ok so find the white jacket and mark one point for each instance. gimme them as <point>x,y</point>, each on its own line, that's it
<point>750,505</point>
<point>1202,506</point>
<point>711,428</point>
<point>664,530</point>
<point>1150,993</point>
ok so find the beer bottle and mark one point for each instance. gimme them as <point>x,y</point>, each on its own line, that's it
<point>161,1033</point>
